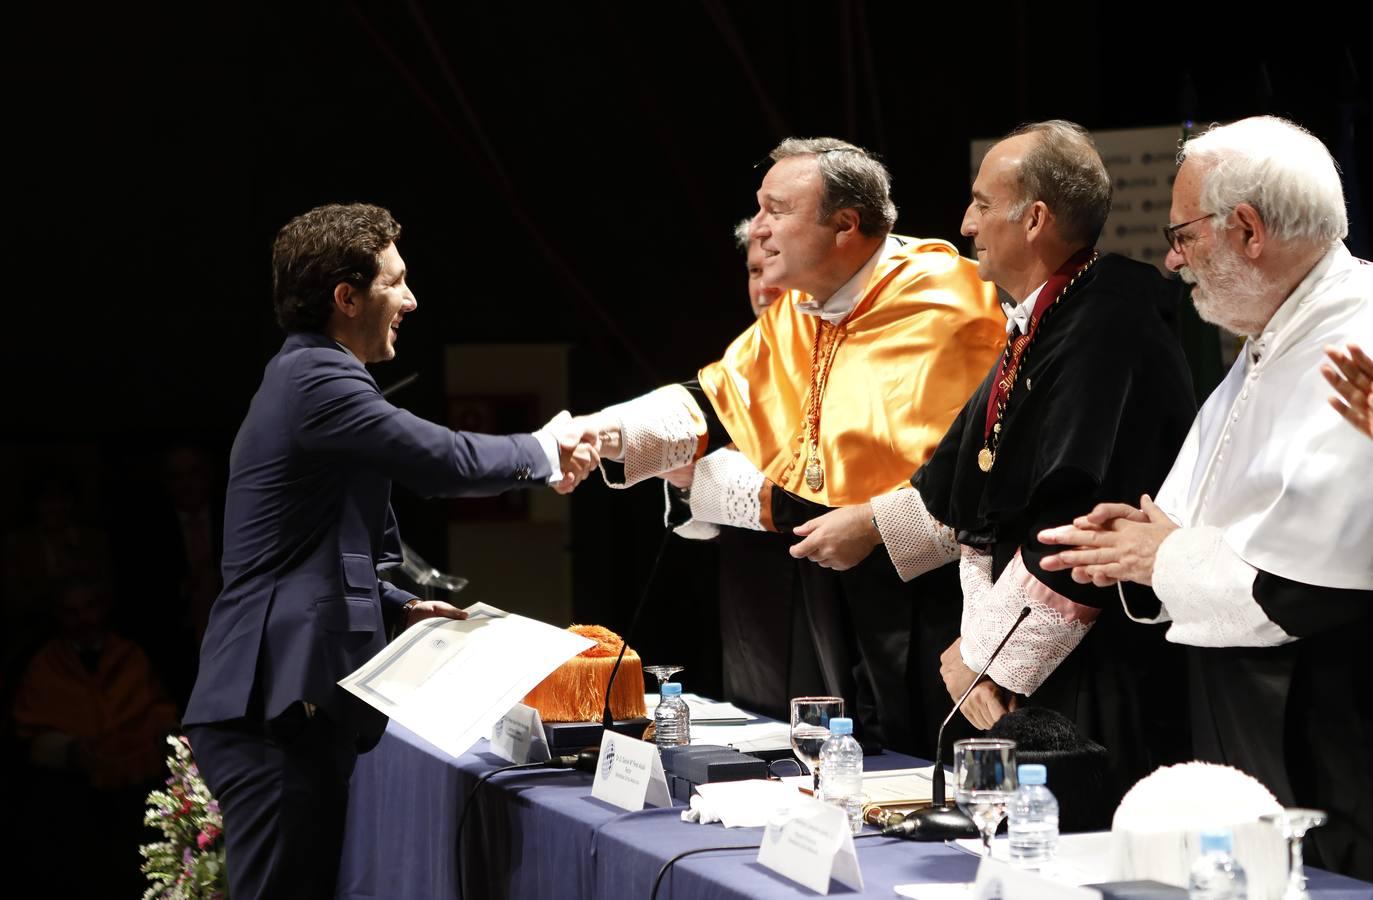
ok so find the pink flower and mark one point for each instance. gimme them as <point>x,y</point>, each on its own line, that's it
<point>206,837</point>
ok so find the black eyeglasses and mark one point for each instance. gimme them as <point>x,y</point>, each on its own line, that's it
<point>1170,232</point>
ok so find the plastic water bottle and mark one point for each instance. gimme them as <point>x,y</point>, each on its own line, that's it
<point>671,718</point>
<point>1032,819</point>
<point>1215,874</point>
<point>841,771</point>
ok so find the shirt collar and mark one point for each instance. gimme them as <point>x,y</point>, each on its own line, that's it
<point>842,301</point>
<point>1018,316</point>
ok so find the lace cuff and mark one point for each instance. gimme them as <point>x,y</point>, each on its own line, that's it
<point>692,529</point>
<point>1209,593</point>
<point>915,541</point>
<point>1055,627</point>
<point>727,490</point>
<point>660,431</point>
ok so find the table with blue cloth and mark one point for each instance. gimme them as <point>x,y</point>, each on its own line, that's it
<point>539,834</point>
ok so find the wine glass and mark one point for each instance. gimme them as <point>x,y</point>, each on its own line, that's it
<point>663,673</point>
<point>810,728</point>
<point>1293,824</point>
<point>984,780</point>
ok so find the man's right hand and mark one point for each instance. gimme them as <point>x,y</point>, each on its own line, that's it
<point>578,450</point>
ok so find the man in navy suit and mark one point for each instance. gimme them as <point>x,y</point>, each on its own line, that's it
<point>307,526</point>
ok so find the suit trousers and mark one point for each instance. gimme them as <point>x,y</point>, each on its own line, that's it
<point>282,787</point>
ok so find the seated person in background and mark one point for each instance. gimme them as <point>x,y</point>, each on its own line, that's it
<point>89,702</point>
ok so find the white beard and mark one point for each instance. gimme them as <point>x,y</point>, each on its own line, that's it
<point>1229,292</point>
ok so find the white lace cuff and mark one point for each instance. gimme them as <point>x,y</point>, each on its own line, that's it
<point>1056,625</point>
<point>727,490</point>
<point>659,432</point>
<point>1209,593</point>
<point>915,541</point>
<point>691,529</point>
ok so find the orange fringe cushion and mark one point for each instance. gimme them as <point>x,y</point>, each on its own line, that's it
<point>575,692</point>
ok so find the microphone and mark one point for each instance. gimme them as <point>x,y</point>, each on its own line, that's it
<point>608,720</point>
<point>942,822</point>
<point>584,761</point>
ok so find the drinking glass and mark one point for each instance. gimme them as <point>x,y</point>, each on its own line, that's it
<point>810,728</point>
<point>663,674</point>
<point>1293,824</point>
<point>984,780</point>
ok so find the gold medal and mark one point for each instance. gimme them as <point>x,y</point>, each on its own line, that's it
<point>815,476</point>
<point>985,458</point>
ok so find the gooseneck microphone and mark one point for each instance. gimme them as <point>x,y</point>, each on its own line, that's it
<point>607,720</point>
<point>942,822</point>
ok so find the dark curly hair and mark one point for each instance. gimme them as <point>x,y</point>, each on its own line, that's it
<point>316,251</point>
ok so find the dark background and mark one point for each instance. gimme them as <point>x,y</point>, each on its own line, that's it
<point>565,172</point>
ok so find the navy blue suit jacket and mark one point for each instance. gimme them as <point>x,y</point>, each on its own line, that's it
<point>308,523</point>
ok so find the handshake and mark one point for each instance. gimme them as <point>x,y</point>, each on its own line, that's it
<point>582,441</point>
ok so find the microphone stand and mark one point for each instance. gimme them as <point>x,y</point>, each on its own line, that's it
<point>607,720</point>
<point>940,821</point>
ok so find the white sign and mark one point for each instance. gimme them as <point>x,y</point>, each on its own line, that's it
<point>519,737</point>
<point>811,845</point>
<point>629,774</point>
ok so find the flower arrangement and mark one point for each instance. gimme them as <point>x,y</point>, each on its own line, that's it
<point>189,864</point>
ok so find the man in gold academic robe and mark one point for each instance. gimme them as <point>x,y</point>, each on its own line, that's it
<point>842,384</point>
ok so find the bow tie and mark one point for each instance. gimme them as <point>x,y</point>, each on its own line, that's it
<point>1017,318</point>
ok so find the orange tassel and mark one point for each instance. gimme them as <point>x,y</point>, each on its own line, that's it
<point>575,692</point>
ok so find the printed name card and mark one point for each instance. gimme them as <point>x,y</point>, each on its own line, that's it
<point>629,774</point>
<point>810,845</point>
<point>518,737</point>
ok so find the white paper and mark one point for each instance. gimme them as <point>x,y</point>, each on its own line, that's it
<point>518,736</point>
<point>449,681</point>
<point>1001,880</point>
<point>812,845</point>
<point>704,710</point>
<point>630,774</point>
<point>751,803</point>
<point>484,609</point>
<point>1080,859</point>
<point>760,736</point>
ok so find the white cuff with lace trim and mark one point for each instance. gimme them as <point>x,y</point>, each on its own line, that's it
<point>659,432</point>
<point>1056,625</point>
<point>1209,593</point>
<point>727,490</point>
<point>691,529</point>
<point>915,540</point>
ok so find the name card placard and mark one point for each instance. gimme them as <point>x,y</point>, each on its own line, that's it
<point>629,774</point>
<point>518,736</point>
<point>810,845</point>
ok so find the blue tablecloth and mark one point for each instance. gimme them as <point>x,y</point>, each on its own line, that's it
<point>539,834</point>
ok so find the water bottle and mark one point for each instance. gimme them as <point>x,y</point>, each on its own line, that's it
<point>671,719</point>
<point>1215,874</point>
<point>841,771</point>
<point>1032,819</point>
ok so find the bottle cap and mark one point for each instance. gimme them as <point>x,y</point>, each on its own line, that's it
<point>671,689</point>
<point>840,725</point>
<point>1032,773</point>
<point>1216,840</point>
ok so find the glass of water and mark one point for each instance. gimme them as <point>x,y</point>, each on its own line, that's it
<point>984,780</point>
<point>810,728</point>
<point>1293,824</point>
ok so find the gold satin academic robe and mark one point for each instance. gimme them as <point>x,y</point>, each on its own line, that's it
<point>921,338</point>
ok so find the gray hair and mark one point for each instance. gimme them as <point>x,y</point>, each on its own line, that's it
<point>1064,170</point>
<point>741,234</point>
<point>1277,167</point>
<point>852,179</point>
